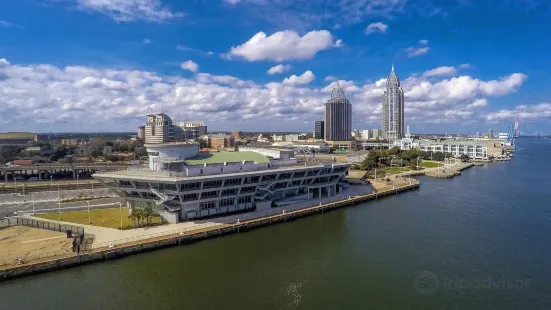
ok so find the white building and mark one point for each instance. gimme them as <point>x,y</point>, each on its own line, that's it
<point>278,138</point>
<point>193,130</point>
<point>503,135</point>
<point>275,153</point>
<point>182,184</point>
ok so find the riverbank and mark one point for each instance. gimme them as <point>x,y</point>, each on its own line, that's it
<point>186,237</point>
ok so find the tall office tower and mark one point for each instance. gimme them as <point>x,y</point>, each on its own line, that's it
<point>338,117</point>
<point>393,109</point>
<point>319,130</point>
<point>158,129</point>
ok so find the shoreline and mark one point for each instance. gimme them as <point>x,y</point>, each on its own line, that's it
<point>398,183</point>
<point>184,238</point>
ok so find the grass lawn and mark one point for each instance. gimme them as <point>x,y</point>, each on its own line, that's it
<point>394,170</point>
<point>430,164</point>
<point>110,218</point>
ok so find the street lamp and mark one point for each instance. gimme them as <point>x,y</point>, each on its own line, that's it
<point>89,219</point>
<point>59,209</point>
<point>92,182</point>
<point>32,198</point>
<point>52,181</point>
<point>120,210</point>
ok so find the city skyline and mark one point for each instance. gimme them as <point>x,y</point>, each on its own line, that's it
<point>242,66</point>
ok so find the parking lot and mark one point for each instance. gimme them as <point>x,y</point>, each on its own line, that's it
<point>45,202</point>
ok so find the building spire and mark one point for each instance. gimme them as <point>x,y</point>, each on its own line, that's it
<point>392,67</point>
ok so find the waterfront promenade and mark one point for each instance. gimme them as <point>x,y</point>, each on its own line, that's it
<point>156,237</point>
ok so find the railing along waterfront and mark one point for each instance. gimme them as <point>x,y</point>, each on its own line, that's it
<point>235,221</point>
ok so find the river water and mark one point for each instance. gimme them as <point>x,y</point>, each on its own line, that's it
<point>478,241</point>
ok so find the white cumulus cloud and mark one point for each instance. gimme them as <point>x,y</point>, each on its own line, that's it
<point>417,51</point>
<point>305,78</point>
<point>375,27</point>
<point>278,69</point>
<point>59,98</point>
<point>284,45</point>
<point>440,71</point>
<point>130,10</point>
<point>190,66</point>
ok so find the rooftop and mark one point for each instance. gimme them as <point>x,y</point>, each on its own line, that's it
<point>222,157</point>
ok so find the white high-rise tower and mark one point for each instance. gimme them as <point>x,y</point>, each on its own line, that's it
<point>393,108</point>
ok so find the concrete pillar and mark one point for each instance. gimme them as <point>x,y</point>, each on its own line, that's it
<point>39,175</point>
<point>6,176</point>
<point>74,174</point>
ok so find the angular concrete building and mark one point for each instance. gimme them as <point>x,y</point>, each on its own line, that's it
<point>183,184</point>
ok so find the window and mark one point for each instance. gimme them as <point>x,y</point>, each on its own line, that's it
<point>248,189</point>
<point>207,205</point>
<point>244,199</point>
<point>191,186</point>
<point>280,185</point>
<point>250,180</point>
<point>232,182</point>
<point>229,192</point>
<point>269,177</point>
<point>296,182</point>
<point>212,184</point>
<point>209,194</point>
<point>227,202</point>
<point>188,197</point>
<point>284,176</point>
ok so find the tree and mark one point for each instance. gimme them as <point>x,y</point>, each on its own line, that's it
<point>133,217</point>
<point>140,152</point>
<point>394,151</point>
<point>138,213</point>
<point>148,213</point>
<point>371,161</point>
<point>464,157</point>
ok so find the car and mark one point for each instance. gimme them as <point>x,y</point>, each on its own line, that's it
<point>33,179</point>
<point>20,178</point>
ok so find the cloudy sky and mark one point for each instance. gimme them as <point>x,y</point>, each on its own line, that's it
<point>101,65</point>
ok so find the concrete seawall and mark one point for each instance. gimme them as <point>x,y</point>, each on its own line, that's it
<point>105,254</point>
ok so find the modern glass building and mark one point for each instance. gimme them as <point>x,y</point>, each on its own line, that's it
<point>338,116</point>
<point>393,109</point>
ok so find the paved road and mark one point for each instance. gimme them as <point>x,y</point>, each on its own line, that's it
<point>51,206</point>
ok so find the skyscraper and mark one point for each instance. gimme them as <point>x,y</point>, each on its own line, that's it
<point>393,108</point>
<point>338,116</point>
<point>319,130</point>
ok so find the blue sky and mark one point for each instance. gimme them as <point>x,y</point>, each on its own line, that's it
<point>101,65</point>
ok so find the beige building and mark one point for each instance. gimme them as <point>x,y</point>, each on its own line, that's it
<point>221,141</point>
<point>158,129</point>
<point>69,142</point>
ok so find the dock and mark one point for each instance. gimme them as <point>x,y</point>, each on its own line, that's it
<point>183,238</point>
